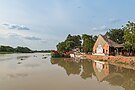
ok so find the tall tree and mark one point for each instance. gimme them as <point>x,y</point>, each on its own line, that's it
<point>70,43</point>
<point>76,39</point>
<point>116,35</point>
<point>129,36</point>
<point>88,43</point>
<point>61,47</point>
<point>23,49</point>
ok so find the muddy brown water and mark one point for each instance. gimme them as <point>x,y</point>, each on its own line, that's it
<point>34,72</point>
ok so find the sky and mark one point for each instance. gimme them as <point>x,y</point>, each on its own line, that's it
<point>42,24</point>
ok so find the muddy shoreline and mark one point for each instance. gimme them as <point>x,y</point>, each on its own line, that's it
<point>120,61</point>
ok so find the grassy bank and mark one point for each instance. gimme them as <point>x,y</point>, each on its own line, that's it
<point>6,52</point>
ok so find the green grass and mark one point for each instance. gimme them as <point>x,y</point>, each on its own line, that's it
<point>103,60</point>
<point>119,62</point>
<point>6,52</point>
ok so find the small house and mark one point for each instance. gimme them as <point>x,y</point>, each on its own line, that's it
<point>105,46</point>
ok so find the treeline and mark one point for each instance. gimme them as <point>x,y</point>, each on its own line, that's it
<point>9,49</point>
<point>42,51</point>
<point>124,35</point>
<point>76,41</point>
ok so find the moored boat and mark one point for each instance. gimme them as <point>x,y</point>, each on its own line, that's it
<point>56,54</point>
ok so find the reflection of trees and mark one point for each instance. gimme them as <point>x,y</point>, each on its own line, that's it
<point>55,60</point>
<point>117,76</point>
<point>115,79</point>
<point>70,67</point>
<point>22,57</point>
<point>87,69</point>
<point>122,77</point>
<point>73,67</point>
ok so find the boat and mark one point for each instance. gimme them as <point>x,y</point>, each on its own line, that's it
<point>56,54</point>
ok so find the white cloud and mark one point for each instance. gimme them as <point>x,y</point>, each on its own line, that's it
<point>32,38</point>
<point>101,28</point>
<point>16,26</point>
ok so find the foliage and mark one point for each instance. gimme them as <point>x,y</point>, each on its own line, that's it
<point>61,47</point>
<point>70,43</point>
<point>8,49</point>
<point>103,60</point>
<point>87,43</point>
<point>23,49</point>
<point>74,41</point>
<point>119,62</point>
<point>116,35</point>
<point>124,35</point>
<point>129,36</point>
<point>42,51</point>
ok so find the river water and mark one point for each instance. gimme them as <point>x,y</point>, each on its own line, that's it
<point>39,71</point>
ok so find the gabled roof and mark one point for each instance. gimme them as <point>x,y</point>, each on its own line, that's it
<point>110,42</point>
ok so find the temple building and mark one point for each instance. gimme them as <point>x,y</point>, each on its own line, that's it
<point>105,46</point>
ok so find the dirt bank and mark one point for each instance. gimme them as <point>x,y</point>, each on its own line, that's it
<point>122,61</point>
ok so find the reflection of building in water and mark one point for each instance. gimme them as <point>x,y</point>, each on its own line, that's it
<point>114,75</point>
<point>101,69</point>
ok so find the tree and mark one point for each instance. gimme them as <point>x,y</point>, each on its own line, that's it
<point>129,36</point>
<point>70,43</point>
<point>116,35</point>
<point>9,49</point>
<point>61,47</point>
<point>76,39</point>
<point>6,49</point>
<point>94,38</point>
<point>88,43</point>
<point>23,50</point>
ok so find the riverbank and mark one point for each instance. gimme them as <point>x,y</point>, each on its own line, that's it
<point>6,52</point>
<point>121,61</point>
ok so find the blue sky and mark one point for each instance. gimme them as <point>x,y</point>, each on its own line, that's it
<point>41,24</point>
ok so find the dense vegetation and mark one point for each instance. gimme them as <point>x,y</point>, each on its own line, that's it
<point>88,42</point>
<point>42,51</point>
<point>70,43</point>
<point>116,35</point>
<point>8,49</point>
<point>75,41</point>
<point>124,35</point>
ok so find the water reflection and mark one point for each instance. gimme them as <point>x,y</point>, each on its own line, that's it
<point>121,77</point>
<point>32,65</point>
<point>17,75</point>
<point>70,66</point>
<point>114,75</point>
<point>101,70</point>
<point>22,57</point>
<point>87,71</point>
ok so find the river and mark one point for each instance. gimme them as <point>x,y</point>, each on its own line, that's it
<point>38,71</point>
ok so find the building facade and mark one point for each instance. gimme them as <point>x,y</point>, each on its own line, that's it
<point>105,46</point>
